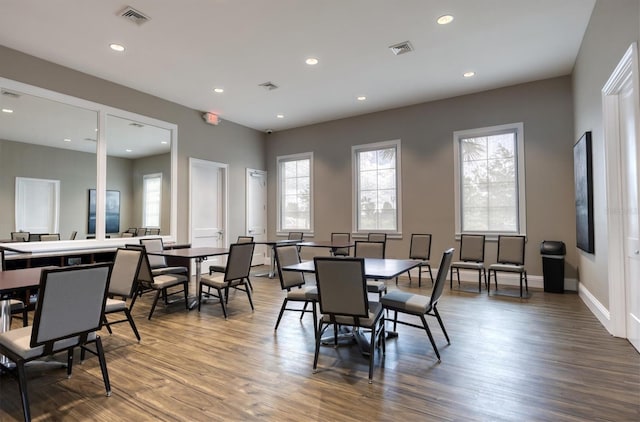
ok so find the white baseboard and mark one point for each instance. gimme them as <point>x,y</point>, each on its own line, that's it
<point>535,281</point>
<point>596,308</point>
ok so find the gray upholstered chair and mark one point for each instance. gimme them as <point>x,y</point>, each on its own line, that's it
<point>18,308</point>
<point>420,305</point>
<point>236,276</point>
<point>372,249</point>
<point>152,232</point>
<point>158,262</point>
<point>340,238</point>
<point>123,286</point>
<point>127,234</point>
<point>420,250</point>
<point>377,237</point>
<point>342,294</point>
<point>49,237</point>
<point>295,236</point>
<point>510,260</point>
<point>294,284</point>
<point>471,258</point>
<point>69,311</point>
<point>160,283</point>
<point>20,236</point>
<point>223,268</point>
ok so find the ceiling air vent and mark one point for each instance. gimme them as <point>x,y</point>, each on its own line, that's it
<point>401,48</point>
<point>10,94</point>
<point>269,86</point>
<point>134,124</point>
<point>134,15</point>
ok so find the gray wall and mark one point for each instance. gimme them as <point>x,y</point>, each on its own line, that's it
<point>614,25</point>
<point>229,143</point>
<point>426,130</point>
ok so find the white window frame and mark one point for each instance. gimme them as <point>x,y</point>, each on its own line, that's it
<point>355,149</point>
<point>144,200</point>
<point>280,160</point>
<point>518,128</point>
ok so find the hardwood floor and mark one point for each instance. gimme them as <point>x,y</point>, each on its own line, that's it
<point>542,359</point>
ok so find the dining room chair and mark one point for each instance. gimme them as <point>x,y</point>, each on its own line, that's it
<point>420,250</point>
<point>17,306</point>
<point>236,276</point>
<point>471,258</point>
<point>20,236</point>
<point>340,238</point>
<point>49,237</point>
<point>222,268</point>
<point>123,287</point>
<point>73,235</point>
<point>69,312</point>
<point>158,262</point>
<point>160,283</point>
<point>152,231</point>
<point>377,237</point>
<point>371,249</point>
<point>510,259</point>
<point>421,306</point>
<point>342,295</point>
<point>293,282</point>
<point>127,234</point>
<point>295,236</point>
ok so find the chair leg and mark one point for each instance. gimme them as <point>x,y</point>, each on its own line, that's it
<point>22,383</point>
<point>185,288</point>
<point>284,304</point>
<point>304,308</point>
<point>155,302</point>
<point>25,317</point>
<point>430,273</point>
<point>103,365</point>
<point>69,362</point>
<point>480,281</point>
<point>315,316</point>
<point>419,276</point>
<point>433,342</point>
<point>224,307</point>
<point>437,315</point>
<point>372,349</point>
<point>317,351</point>
<point>248,290</point>
<point>249,283</point>
<point>106,324</point>
<point>133,324</point>
<point>200,296</point>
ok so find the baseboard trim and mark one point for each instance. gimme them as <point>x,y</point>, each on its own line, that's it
<point>535,281</point>
<point>596,308</point>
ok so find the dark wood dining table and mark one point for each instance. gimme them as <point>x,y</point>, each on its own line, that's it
<point>273,244</point>
<point>382,269</point>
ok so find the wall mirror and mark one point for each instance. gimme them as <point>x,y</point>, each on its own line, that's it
<point>113,169</point>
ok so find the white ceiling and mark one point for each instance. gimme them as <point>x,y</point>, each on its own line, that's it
<point>191,46</point>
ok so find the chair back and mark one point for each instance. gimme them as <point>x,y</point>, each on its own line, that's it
<point>342,287</point>
<point>145,275</point>
<point>154,245</point>
<point>245,239</point>
<point>49,237</point>
<point>295,236</point>
<point>377,237</point>
<point>34,237</point>
<point>441,278</point>
<point>420,247</point>
<point>73,235</point>
<point>3,266</point>
<point>127,234</point>
<point>341,238</point>
<point>239,261</point>
<point>511,249</point>
<point>124,273</point>
<point>70,303</point>
<point>152,232</point>
<point>367,249</point>
<point>20,236</point>
<point>472,247</point>
<point>140,231</point>
<point>288,255</point>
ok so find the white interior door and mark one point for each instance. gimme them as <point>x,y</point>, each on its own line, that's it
<point>207,203</point>
<point>629,144</point>
<point>257,213</point>
<point>37,205</point>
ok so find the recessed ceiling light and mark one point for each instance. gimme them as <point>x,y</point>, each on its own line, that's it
<point>128,150</point>
<point>218,90</point>
<point>361,98</point>
<point>469,74</point>
<point>311,61</point>
<point>280,116</point>
<point>444,19</point>
<point>67,140</point>
<point>117,47</point>
<point>7,110</point>
<point>164,142</point>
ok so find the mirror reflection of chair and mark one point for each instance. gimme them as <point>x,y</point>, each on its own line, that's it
<point>123,285</point>
<point>510,260</point>
<point>420,250</point>
<point>371,249</point>
<point>471,258</point>
<point>73,235</point>
<point>152,232</point>
<point>236,276</point>
<point>340,238</point>
<point>20,236</point>
<point>293,282</point>
<point>127,234</point>
<point>342,294</point>
<point>421,305</point>
<point>68,314</point>
<point>49,237</point>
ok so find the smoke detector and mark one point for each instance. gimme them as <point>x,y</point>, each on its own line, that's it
<point>401,48</point>
<point>134,15</point>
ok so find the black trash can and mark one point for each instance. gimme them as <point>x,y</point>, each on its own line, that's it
<point>553,252</point>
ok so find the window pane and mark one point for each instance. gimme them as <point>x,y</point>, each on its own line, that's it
<point>386,158</point>
<point>368,180</point>
<point>152,197</point>
<point>367,160</point>
<point>295,205</point>
<point>387,179</point>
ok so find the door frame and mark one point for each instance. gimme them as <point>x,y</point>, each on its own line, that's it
<point>249,173</point>
<point>225,194</point>
<point>627,68</point>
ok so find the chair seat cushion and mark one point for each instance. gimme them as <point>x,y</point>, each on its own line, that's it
<point>375,312</point>
<point>406,302</point>
<point>114,305</point>
<point>167,280</point>
<point>376,286</point>
<point>468,264</point>
<point>218,282</point>
<point>16,305</point>
<point>304,293</point>
<point>18,341</point>
<point>169,270</point>
<point>507,267</point>
<point>217,268</point>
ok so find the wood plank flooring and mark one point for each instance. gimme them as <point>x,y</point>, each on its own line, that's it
<point>542,359</point>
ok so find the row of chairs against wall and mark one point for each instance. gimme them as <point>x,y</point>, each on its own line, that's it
<point>38,237</point>
<point>141,231</point>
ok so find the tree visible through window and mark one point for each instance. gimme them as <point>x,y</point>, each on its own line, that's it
<point>151,199</point>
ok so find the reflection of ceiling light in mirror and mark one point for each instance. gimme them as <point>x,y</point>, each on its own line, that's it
<point>361,98</point>
<point>7,110</point>
<point>117,47</point>
<point>164,142</point>
<point>311,61</point>
<point>67,140</point>
<point>128,150</point>
<point>280,116</point>
<point>218,90</point>
<point>468,74</point>
<point>444,19</point>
